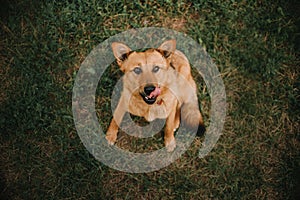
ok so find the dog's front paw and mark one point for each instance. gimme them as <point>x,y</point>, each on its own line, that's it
<point>111,139</point>
<point>170,145</point>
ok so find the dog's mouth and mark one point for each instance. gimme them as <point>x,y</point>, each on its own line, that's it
<point>150,94</point>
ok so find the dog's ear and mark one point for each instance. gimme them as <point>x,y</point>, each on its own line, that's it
<point>167,48</point>
<point>121,51</point>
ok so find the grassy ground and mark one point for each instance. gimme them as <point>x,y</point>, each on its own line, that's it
<point>253,43</point>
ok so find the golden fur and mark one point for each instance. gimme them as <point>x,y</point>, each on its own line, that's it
<point>157,84</point>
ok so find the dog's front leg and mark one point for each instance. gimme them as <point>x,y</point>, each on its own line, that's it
<point>171,125</point>
<point>112,132</point>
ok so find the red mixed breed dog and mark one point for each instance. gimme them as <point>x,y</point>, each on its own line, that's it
<point>157,84</point>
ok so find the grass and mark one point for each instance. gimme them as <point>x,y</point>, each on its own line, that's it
<point>255,45</point>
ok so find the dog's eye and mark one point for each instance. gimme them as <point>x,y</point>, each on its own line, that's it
<point>137,70</point>
<point>155,69</point>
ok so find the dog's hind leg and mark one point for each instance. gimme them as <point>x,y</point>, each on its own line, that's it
<point>192,117</point>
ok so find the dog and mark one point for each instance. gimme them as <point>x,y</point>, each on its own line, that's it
<point>157,84</point>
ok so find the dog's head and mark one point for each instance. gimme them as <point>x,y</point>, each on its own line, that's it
<point>145,72</point>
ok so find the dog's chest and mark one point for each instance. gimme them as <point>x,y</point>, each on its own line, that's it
<point>159,110</point>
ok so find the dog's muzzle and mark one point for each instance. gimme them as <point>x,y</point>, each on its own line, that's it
<point>150,94</point>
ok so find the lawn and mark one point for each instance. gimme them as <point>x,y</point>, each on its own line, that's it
<point>254,44</point>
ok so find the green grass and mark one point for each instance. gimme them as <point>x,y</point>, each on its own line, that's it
<point>255,45</point>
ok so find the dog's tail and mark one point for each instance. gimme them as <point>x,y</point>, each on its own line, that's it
<point>192,118</point>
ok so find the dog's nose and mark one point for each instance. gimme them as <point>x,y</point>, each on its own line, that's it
<point>148,89</point>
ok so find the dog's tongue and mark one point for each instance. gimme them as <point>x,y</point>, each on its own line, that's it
<point>154,93</point>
